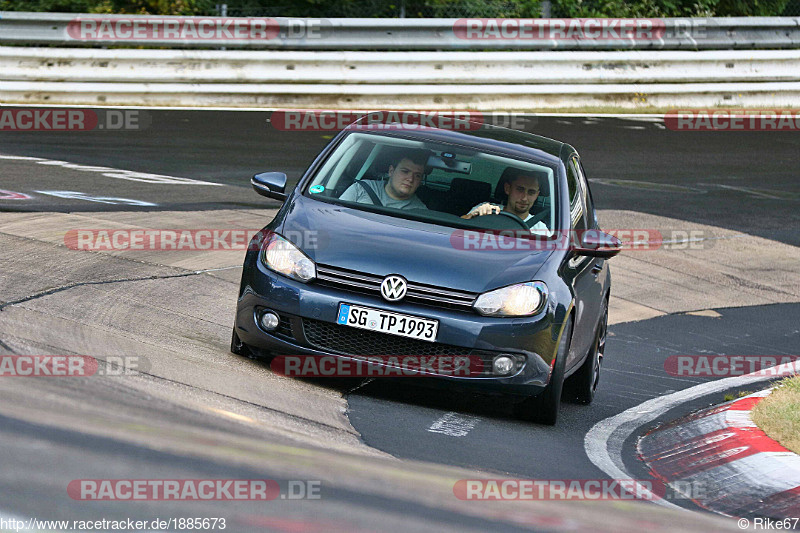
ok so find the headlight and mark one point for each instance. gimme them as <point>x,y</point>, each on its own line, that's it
<point>523,299</point>
<point>285,258</point>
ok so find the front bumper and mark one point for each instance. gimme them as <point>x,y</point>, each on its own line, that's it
<point>307,309</point>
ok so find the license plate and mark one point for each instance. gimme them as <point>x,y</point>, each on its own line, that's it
<point>387,322</point>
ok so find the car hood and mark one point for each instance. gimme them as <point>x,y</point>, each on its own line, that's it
<point>421,252</point>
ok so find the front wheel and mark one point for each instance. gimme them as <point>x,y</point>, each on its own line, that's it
<point>544,407</point>
<point>240,348</point>
<point>237,346</point>
<point>583,384</point>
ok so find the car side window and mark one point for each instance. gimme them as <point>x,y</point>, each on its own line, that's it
<point>576,204</point>
<point>591,215</point>
<point>572,185</point>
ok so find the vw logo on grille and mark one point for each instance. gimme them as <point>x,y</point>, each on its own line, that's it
<point>393,288</point>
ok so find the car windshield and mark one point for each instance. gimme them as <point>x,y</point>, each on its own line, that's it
<point>438,183</point>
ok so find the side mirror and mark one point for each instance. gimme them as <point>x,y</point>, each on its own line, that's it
<point>596,243</point>
<point>270,184</point>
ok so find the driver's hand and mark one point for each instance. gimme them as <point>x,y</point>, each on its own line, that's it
<point>483,209</point>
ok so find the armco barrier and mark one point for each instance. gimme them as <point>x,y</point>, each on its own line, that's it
<point>430,97</point>
<point>397,80</point>
<point>396,68</point>
<point>693,63</point>
<point>419,34</point>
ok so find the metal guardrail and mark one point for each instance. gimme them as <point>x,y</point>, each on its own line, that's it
<point>247,67</point>
<point>485,81</point>
<point>633,97</point>
<point>385,64</point>
<point>64,29</point>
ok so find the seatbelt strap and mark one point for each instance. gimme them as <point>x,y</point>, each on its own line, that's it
<point>371,194</point>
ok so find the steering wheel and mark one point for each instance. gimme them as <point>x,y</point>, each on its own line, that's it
<point>515,218</point>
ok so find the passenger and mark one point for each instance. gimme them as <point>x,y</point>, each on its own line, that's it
<point>399,190</point>
<point>522,189</point>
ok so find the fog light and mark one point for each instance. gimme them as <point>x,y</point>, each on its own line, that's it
<point>269,320</point>
<point>503,364</point>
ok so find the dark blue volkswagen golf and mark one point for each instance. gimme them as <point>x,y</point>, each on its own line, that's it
<point>408,240</point>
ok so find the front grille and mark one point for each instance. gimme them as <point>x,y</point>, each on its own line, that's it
<point>351,341</point>
<point>284,328</point>
<point>419,293</point>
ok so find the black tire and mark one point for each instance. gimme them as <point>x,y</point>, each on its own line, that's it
<point>237,346</point>
<point>582,385</point>
<point>240,348</point>
<point>543,408</point>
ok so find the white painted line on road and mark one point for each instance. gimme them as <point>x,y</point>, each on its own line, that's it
<point>647,185</point>
<point>454,424</point>
<point>655,118</point>
<point>217,269</point>
<point>142,177</point>
<point>20,157</point>
<point>113,200</point>
<point>752,192</point>
<point>603,443</point>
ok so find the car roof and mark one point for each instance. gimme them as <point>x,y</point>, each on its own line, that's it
<point>476,133</point>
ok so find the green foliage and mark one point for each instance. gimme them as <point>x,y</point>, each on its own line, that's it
<point>55,6</point>
<point>386,8</point>
<point>153,7</point>
<point>474,8</point>
<point>633,9</point>
<point>415,8</point>
<point>740,394</point>
<point>157,7</point>
<point>667,8</point>
<point>747,8</point>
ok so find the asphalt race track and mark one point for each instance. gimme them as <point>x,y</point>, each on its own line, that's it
<point>193,410</point>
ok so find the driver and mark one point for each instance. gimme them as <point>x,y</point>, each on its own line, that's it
<point>399,191</point>
<point>522,189</point>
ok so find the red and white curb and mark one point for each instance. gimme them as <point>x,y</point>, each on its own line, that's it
<point>734,467</point>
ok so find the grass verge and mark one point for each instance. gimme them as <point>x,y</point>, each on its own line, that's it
<point>779,414</point>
